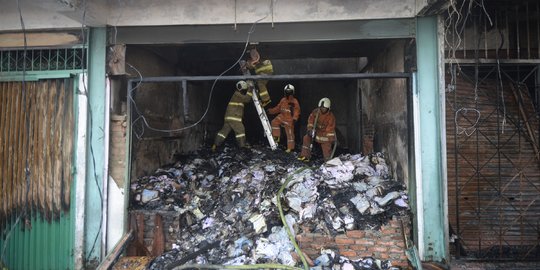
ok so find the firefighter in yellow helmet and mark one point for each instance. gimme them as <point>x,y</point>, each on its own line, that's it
<point>288,111</point>
<point>321,128</point>
<point>263,67</point>
<point>234,115</point>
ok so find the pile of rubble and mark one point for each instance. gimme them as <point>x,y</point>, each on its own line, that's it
<point>229,200</point>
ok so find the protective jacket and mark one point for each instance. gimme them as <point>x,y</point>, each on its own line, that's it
<point>288,110</point>
<point>262,68</point>
<point>233,119</point>
<point>325,126</point>
<point>235,108</point>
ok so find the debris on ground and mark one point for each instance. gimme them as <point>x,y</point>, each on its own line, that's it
<point>229,202</point>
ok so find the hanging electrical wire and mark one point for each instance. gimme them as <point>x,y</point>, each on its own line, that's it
<point>144,121</point>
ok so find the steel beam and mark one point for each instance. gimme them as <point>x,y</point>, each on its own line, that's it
<point>390,75</point>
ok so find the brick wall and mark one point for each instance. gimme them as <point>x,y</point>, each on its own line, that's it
<point>384,244</point>
<point>117,148</point>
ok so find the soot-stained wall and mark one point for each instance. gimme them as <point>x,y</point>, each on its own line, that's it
<point>161,104</point>
<point>384,103</point>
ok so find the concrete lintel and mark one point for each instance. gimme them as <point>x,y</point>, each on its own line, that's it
<point>279,32</point>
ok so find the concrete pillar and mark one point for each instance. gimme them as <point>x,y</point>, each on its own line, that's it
<point>432,198</point>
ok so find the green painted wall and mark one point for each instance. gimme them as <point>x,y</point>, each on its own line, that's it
<point>44,246</point>
<point>95,159</point>
<point>434,247</point>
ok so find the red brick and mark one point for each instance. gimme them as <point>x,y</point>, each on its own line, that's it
<point>384,256</point>
<point>388,230</point>
<point>402,264</point>
<point>378,249</point>
<point>358,247</point>
<point>396,250</point>
<point>344,241</point>
<point>348,253</point>
<point>323,239</point>
<point>364,253</point>
<point>304,239</point>
<point>364,242</point>
<point>356,234</point>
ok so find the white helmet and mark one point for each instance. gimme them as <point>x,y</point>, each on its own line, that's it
<point>289,89</point>
<point>241,85</point>
<point>325,102</point>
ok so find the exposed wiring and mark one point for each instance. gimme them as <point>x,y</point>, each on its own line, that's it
<point>142,118</point>
<point>90,121</point>
<point>454,25</point>
<point>467,130</point>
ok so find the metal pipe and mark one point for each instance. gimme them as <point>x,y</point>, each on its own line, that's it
<point>538,28</point>
<point>528,31</point>
<point>403,75</point>
<point>485,39</point>
<point>185,101</point>
<point>517,33</point>
<point>456,168</point>
<point>507,37</point>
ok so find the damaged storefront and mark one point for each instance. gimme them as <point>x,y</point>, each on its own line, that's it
<point>190,205</point>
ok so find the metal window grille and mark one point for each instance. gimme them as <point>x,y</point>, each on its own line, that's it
<point>42,59</point>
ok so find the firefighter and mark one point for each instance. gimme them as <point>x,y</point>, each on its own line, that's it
<point>260,68</point>
<point>288,111</point>
<point>234,115</point>
<point>321,128</point>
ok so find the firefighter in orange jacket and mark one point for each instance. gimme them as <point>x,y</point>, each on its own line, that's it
<point>234,115</point>
<point>288,111</point>
<point>321,127</point>
<point>260,68</point>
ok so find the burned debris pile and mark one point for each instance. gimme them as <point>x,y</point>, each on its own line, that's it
<point>228,202</point>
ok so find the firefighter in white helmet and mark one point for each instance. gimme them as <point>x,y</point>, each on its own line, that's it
<point>321,129</point>
<point>234,115</point>
<point>288,112</point>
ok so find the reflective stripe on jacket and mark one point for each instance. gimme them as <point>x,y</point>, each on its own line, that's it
<point>235,109</point>
<point>288,109</point>
<point>264,67</point>
<point>325,126</point>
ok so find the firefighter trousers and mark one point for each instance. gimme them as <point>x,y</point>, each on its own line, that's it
<point>326,148</point>
<point>238,129</point>
<point>277,123</point>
